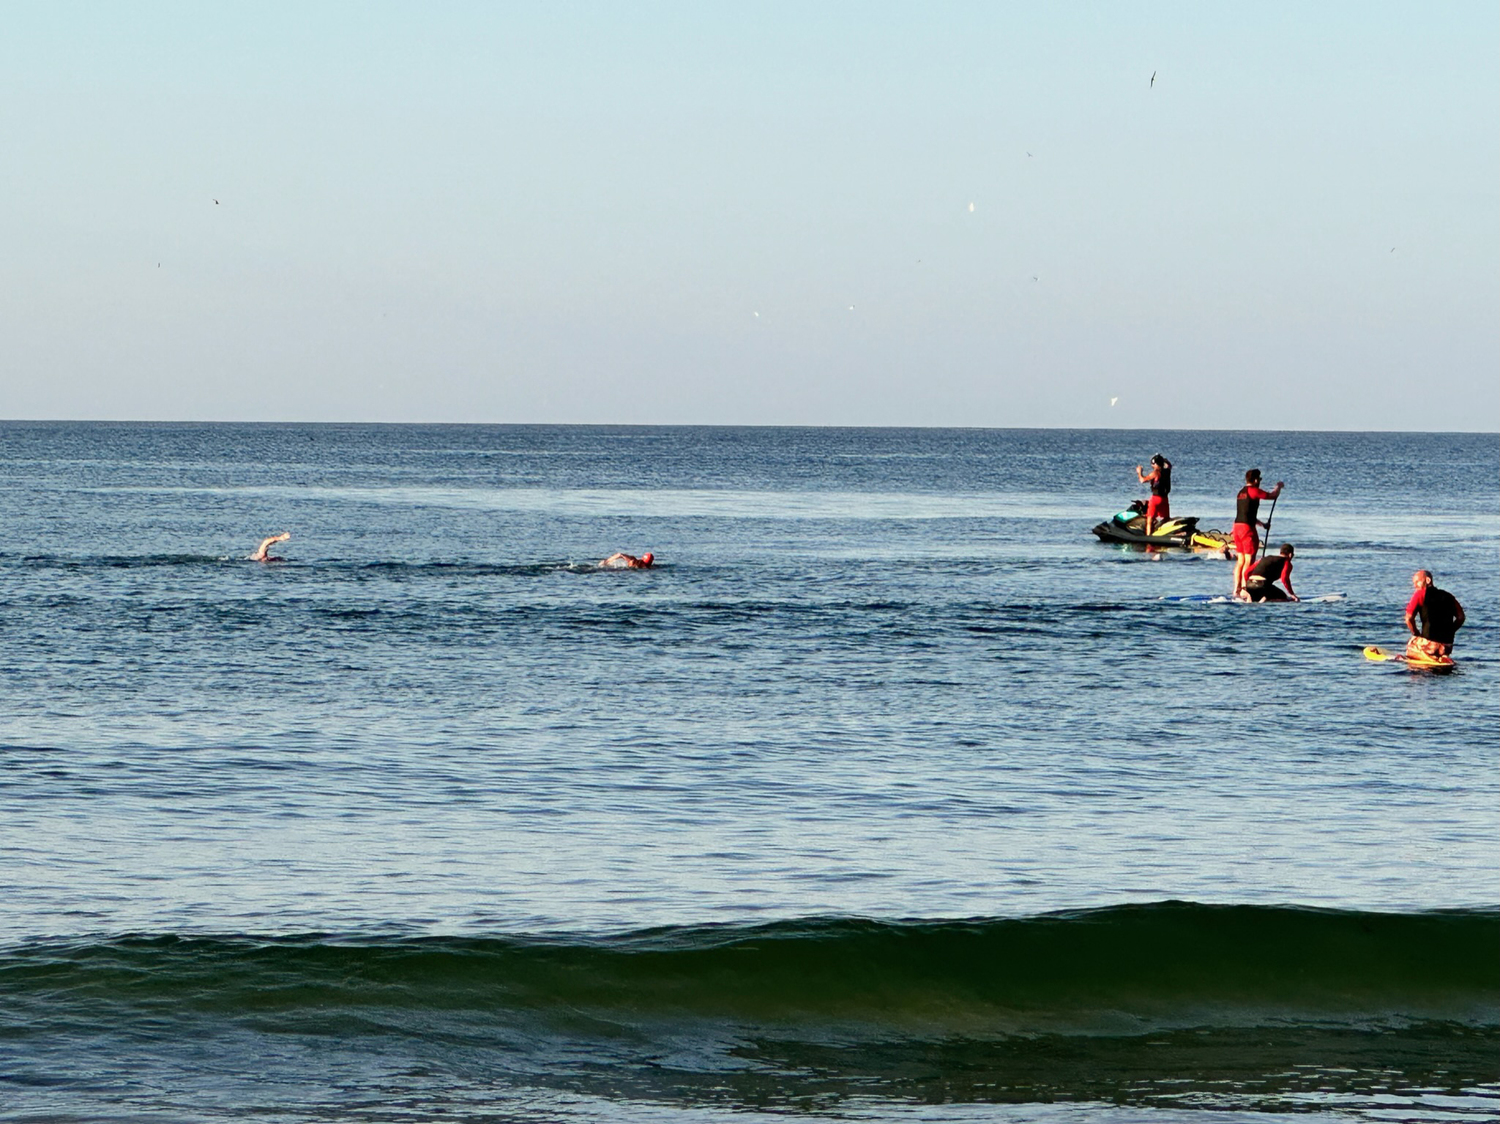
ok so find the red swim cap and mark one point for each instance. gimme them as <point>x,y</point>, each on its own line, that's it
<point>646,558</point>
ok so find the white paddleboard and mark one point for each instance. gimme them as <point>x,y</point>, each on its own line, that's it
<point>1224,598</point>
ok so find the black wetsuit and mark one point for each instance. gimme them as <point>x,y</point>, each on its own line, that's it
<point>1438,611</point>
<point>1247,507</point>
<point>1162,485</point>
<point>1260,582</point>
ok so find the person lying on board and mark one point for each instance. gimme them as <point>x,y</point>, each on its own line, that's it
<point>1160,479</point>
<point>1260,582</point>
<point>263,551</point>
<point>622,561</point>
<point>1441,615</point>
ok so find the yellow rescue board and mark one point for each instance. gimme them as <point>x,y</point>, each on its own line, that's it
<point>1422,663</point>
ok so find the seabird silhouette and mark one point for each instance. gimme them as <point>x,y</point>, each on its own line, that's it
<point>1153,80</point>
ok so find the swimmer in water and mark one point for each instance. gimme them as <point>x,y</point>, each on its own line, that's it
<point>622,561</point>
<point>263,551</point>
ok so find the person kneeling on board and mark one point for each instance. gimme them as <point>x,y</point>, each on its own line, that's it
<point>622,561</point>
<point>1260,581</point>
<point>1441,614</point>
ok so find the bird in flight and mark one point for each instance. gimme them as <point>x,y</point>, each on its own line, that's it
<point>1153,80</point>
<point>1115,399</point>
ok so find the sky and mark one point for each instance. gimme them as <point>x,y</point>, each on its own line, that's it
<point>866,213</point>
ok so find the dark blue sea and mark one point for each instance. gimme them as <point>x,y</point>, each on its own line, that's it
<point>889,794</point>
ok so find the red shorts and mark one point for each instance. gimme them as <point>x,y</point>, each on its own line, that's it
<point>1245,542</point>
<point>1157,508</point>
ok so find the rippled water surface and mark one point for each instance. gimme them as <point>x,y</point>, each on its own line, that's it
<point>879,674</point>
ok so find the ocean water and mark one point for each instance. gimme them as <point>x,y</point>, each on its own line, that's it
<point>890,794</point>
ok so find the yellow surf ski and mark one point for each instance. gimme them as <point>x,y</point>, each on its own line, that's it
<point>1420,663</point>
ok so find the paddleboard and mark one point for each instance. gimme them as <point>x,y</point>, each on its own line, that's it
<point>1378,654</point>
<point>1221,598</point>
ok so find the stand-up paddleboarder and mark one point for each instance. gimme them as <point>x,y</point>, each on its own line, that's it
<point>1246,512</point>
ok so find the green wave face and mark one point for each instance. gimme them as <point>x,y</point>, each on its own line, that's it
<point>1138,1003</point>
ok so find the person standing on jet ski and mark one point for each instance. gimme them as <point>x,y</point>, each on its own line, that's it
<point>1246,512</point>
<point>1260,582</point>
<point>1160,479</point>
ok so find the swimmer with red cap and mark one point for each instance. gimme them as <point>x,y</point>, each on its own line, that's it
<point>622,561</point>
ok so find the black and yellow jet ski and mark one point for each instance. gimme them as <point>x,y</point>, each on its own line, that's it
<point>1129,527</point>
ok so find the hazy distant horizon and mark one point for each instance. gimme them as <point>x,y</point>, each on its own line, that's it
<point>723,425</point>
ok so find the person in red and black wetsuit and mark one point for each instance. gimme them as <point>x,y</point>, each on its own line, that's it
<point>1441,614</point>
<point>1246,511</point>
<point>1160,479</point>
<point>1260,582</point>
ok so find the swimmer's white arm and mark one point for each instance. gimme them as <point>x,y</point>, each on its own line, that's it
<point>267,544</point>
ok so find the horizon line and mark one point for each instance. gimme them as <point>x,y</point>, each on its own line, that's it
<point>729,425</point>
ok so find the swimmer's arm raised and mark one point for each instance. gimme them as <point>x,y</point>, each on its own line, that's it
<point>261,554</point>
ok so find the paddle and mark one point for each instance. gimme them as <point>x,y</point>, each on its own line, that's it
<point>1265,542</point>
<point>1379,654</point>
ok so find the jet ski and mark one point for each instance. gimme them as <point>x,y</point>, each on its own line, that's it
<point>1129,527</point>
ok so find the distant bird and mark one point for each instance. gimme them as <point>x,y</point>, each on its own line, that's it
<point>1393,249</point>
<point>971,208</point>
<point>1153,81</point>
<point>756,315</point>
<point>851,308</point>
<point>1028,154</point>
<point>216,202</point>
<point>1115,399</point>
<point>1033,276</point>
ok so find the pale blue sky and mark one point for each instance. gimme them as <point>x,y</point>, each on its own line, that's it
<point>574,212</point>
